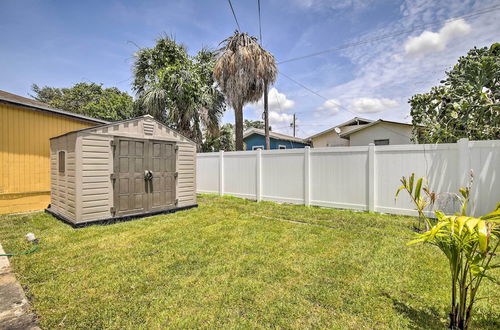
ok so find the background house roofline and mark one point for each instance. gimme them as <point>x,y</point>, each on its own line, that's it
<point>350,121</point>
<point>13,99</point>
<point>272,134</point>
<point>362,127</point>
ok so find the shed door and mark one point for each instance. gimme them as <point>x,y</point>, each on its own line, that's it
<point>134,191</point>
<point>130,161</point>
<point>162,185</point>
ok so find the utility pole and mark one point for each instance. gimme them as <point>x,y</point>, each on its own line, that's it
<point>266,118</point>
<point>293,124</point>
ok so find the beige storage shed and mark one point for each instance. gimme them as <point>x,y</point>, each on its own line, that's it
<point>125,169</point>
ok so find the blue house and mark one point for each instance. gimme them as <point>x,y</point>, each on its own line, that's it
<point>254,139</point>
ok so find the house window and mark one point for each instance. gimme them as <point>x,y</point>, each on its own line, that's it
<point>258,147</point>
<point>383,142</point>
<point>62,161</point>
<point>281,146</point>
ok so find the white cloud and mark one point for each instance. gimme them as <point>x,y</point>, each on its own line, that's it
<point>372,105</point>
<point>277,102</point>
<point>329,107</point>
<point>429,41</point>
<point>280,118</point>
<point>383,69</point>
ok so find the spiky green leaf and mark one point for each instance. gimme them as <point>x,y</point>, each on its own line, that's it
<point>482,231</point>
<point>410,184</point>
<point>398,191</point>
<point>418,188</point>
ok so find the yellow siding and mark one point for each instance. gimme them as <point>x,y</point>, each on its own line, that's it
<point>25,156</point>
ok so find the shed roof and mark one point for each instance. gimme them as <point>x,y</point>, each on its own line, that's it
<point>9,98</point>
<point>89,129</point>
<point>274,135</point>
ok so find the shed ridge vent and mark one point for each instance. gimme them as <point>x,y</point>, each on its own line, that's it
<point>149,128</point>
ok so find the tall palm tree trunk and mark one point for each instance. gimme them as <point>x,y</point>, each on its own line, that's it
<point>238,127</point>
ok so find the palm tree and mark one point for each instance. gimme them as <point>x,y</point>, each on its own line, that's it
<point>178,89</point>
<point>243,71</point>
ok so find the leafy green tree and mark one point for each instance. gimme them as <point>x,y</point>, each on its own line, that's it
<point>466,105</point>
<point>223,141</point>
<point>178,89</point>
<point>88,99</point>
<point>254,124</point>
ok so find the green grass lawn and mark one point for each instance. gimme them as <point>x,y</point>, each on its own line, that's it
<point>233,263</point>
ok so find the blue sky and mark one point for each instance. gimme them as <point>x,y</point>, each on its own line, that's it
<point>59,43</point>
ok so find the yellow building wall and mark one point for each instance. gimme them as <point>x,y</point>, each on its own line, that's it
<point>25,156</point>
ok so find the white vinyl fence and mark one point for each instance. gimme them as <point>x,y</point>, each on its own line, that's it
<point>358,178</point>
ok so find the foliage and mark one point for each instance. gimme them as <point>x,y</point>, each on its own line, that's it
<point>88,99</point>
<point>419,199</point>
<point>223,141</point>
<point>253,124</point>
<point>468,243</point>
<point>232,263</point>
<point>242,72</point>
<point>178,89</point>
<point>466,105</point>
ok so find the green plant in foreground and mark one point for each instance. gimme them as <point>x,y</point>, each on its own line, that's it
<point>421,200</point>
<point>469,244</point>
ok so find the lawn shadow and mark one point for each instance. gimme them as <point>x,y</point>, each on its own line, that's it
<point>419,319</point>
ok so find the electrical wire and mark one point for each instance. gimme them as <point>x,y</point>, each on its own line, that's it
<point>382,37</point>
<point>260,24</point>
<point>315,93</point>
<point>390,35</point>
<point>303,86</point>
<point>278,100</point>
<point>339,105</point>
<point>234,15</point>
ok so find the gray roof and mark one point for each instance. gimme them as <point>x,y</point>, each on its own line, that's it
<point>31,104</point>
<point>109,124</point>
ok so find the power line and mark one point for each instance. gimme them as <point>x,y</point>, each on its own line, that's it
<point>234,15</point>
<point>260,25</point>
<point>338,104</point>
<point>391,35</point>
<point>315,125</point>
<point>301,85</point>
<point>278,100</point>
<point>315,93</point>
<point>364,95</point>
<point>348,97</point>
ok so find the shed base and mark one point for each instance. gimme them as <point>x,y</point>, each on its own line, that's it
<point>110,221</point>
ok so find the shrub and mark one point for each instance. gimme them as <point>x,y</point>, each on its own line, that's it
<point>469,244</point>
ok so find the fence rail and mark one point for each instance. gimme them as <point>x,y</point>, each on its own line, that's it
<point>358,178</point>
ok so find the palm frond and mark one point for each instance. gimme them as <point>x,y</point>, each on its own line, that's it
<point>243,68</point>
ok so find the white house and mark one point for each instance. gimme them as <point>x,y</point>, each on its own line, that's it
<point>361,131</point>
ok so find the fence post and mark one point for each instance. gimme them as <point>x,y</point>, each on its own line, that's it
<point>258,175</point>
<point>307,176</point>
<point>464,164</point>
<point>221,172</point>
<point>371,177</point>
